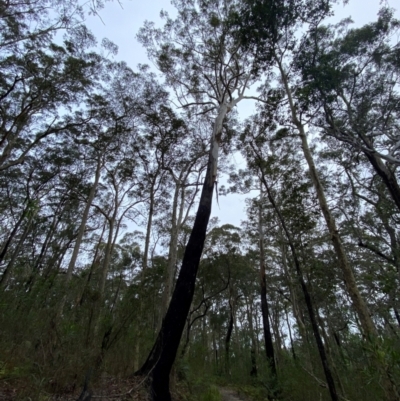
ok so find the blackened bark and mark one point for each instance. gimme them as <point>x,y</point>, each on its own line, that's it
<point>228,338</point>
<point>11,236</point>
<point>189,325</point>
<point>269,346</point>
<point>164,351</point>
<point>396,312</point>
<point>387,176</point>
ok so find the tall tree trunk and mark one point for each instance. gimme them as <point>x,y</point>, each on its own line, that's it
<point>95,263</point>
<point>82,227</point>
<point>269,346</point>
<point>357,300</point>
<point>43,251</point>
<point>7,272</point>
<point>148,228</point>
<point>297,312</point>
<point>166,346</point>
<point>81,232</point>
<point>307,297</point>
<point>228,337</point>
<point>7,244</point>
<point>144,267</point>
<point>107,256</point>
<point>253,349</point>
<point>387,175</point>
<point>359,305</point>
<point>290,334</point>
<point>173,245</point>
<point>327,342</point>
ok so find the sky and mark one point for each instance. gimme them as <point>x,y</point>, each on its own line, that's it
<point>120,22</point>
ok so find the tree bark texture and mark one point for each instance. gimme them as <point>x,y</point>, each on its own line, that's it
<point>82,227</point>
<point>228,337</point>
<point>164,351</point>
<point>357,300</point>
<point>367,325</point>
<point>269,346</point>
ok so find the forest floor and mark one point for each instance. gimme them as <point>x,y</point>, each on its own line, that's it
<point>228,394</point>
<point>106,388</point>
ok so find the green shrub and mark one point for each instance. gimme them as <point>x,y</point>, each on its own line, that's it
<point>212,394</point>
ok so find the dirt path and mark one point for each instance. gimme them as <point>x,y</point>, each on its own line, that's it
<point>229,394</point>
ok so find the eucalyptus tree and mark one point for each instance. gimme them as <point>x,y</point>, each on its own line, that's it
<point>358,110</point>
<point>243,182</point>
<point>351,92</point>
<point>370,220</point>
<point>276,45</point>
<point>42,82</point>
<point>351,78</point>
<point>265,310</point>
<point>17,29</point>
<point>184,163</point>
<point>220,317</point>
<point>116,113</point>
<point>208,73</point>
<point>47,181</point>
<point>37,87</point>
<point>291,206</point>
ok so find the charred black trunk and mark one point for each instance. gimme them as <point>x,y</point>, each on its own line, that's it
<point>253,371</point>
<point>228,338</point>
<point>269,346</point>
<point>163,354</point>
<point>387,176</point>
<point>396,313</point>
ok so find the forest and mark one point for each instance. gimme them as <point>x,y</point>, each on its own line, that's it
<point>115,282</point>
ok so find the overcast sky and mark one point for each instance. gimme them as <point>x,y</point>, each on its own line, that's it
<point>120,24</point>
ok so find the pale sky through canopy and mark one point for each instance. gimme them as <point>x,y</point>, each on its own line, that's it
<point>120,24</point>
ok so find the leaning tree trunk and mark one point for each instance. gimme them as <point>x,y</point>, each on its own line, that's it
<point>12,235</point>
<point>387,175</point>
<point>253,348</point>
<point>320,345</point>
<point>357,300</point>
<point>358,303</point>
<point>81,233</point>
<point>7,272</point>
<point>43,251</point>
<point>163,354</point>
<point>173,247</point>
<point>82,227</point>
<point>149,227</point>
<point>229,336</point>
<point>269,346</point>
